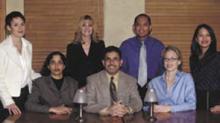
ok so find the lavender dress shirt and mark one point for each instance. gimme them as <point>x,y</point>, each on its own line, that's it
<point>130,49</point>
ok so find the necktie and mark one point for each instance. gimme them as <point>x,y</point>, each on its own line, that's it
<point>113,92</point>
<point>142,71</point>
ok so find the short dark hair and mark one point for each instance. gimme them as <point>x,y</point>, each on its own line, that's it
<point>195,48</point>
<point>45,71</point>
<point>142,15</point>
<point>10,16</point>
<point>112,49</point>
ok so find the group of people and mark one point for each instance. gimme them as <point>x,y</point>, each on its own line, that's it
<point>115,79</point>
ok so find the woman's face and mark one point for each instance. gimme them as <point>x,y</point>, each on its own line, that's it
<point>17,28</point>
<point>171,61</point>
<point>87,28</point>
<point>204,38</point>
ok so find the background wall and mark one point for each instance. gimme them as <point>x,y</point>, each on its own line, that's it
<point>2,16</point>
<point>118,19</point>
<point>51,23</point>
<point>12,5</point>
<point>174,21</point>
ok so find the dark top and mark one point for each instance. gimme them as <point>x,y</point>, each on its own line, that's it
<point>206,71</point>
<point>80,65</point>
<point>58,82</point>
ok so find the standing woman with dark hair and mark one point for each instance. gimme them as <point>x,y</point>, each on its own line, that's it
<point>16,72</point>
<point>85,53</point>
<point>205,67</point>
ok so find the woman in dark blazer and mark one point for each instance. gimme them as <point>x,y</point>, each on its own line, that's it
<point>205,67</point>
<point>85,53</point>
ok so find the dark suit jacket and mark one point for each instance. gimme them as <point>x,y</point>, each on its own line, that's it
<point>45,94</point>
<point>80,65</point>
<point>98,94</point>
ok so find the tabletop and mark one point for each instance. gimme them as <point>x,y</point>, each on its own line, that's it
<point>140,117</point>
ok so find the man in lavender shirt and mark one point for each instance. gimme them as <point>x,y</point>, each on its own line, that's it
<point>131,49</point>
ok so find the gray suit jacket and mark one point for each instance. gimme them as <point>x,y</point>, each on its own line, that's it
<point>45,94</point>
<point>98,94</point>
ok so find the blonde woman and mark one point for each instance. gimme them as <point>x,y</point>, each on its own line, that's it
<point>85,53</point>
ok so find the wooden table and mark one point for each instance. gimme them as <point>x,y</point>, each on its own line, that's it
<point>140,117</point>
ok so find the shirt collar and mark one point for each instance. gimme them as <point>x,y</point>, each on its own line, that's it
<point>178,75</point>
<point>146,40</point>
<point>116,76</point>
<point>24,44</point>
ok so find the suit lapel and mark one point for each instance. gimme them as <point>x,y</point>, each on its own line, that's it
<point>104,84</point>
<point>52,86</point>
<point>121,85</point>
<point>64,86</point>
<point>27,53</point>
<point>12,52</point>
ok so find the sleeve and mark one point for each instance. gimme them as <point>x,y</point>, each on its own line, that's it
<point>5,96</point>
<point>71,61</point>
<point>190,97</point>
<point>146,105</point>
<point>33,101</point>
<point>161,68</point>
<point>34,75</point>
<point>92,105</point>
<point>123,50</point>
<point>135,100</point>
<point>100,56</point>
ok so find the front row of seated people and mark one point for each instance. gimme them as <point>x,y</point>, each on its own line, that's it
<point>111,91</point>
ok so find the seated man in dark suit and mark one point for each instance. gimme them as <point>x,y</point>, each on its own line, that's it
<point>54,91</point>
<point>112,92</point>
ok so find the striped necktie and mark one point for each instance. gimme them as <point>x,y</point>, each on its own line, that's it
<point>113,91</point>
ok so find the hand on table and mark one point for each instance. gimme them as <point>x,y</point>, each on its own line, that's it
<point>60,110</point>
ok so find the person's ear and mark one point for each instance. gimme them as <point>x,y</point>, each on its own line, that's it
<point>8,28</point>
<point>179,62</point>
<point>150,29</point>
<point>121,62</point>
<point>133,29</point>
<point>103,62</point>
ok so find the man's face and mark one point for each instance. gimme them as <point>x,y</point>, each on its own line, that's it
<point>112,62</point>
<point>142,27</point>
<point>56,66</point>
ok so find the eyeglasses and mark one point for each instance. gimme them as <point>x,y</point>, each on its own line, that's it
<point>170,59</point>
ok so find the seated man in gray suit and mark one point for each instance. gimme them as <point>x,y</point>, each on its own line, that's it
<point>54,91</point>
<point>112,92</point>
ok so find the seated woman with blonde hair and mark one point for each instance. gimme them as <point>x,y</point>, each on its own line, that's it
<point>174,89</point>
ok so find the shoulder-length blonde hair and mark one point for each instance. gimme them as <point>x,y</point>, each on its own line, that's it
<point>78,33</point>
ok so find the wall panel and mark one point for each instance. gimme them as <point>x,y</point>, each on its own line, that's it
<point>174,21</point>
<point>51,24</point>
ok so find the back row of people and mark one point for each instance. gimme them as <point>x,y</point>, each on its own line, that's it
<point>84,58</point>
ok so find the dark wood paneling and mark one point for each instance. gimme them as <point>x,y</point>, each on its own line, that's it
<point>2,19</point>
<point>51,23</point>
<point>174,21</point>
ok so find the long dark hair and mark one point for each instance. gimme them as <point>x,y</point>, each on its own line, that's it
<point>45,71</point>
<point>195,48</point>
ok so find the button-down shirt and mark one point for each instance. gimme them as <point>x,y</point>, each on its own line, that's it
<point>130,49</point>
<point>180,96</point>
